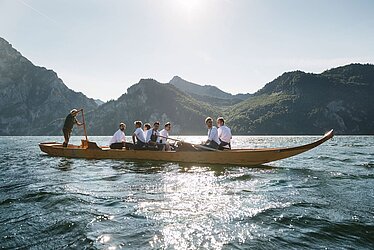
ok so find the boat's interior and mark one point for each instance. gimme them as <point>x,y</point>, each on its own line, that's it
<point>191,147</point>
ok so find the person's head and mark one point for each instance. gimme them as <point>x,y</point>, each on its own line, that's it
<point>220,121</point>
<point>167,126</point>
<point>156,125</point>
<point>74,112</point>
<point>147,126</point>
<point>138,124</point>
<point>209,122</point>
<point>122,126</point>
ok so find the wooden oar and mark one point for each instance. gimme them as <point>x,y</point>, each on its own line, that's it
<point>205,147</point>
<point>194,145</point>
<point>171,138</point>
<point>84,124</point>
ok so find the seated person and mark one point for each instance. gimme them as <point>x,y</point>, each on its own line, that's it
<point>213,140</point>
<point>164,134</point>
<point>146,127</point>
<point>224,134</point>
<point>138,136</point>
<point>119,139</point>
<point>152,136</point>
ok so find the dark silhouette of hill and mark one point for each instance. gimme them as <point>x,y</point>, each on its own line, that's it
<point>151,101</point>
<point>34,101</point>
<point>304,103</point>
<point>31,97</point>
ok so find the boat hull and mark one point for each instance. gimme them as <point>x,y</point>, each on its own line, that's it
<point>242,157</point>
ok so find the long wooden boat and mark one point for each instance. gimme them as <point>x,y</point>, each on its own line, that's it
<point>243,157</point>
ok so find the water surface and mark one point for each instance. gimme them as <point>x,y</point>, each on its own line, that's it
<point>321,199</point>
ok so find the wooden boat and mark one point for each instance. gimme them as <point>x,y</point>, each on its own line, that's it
<point>242,157</point>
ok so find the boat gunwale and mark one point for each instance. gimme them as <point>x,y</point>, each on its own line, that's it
<point>240,157</point>
<point>311,145</point>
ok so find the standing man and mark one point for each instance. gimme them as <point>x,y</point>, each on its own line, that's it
<point>68,125</point>
<point>213,140</point>
<point>224,134</point>
<point>118,140</point>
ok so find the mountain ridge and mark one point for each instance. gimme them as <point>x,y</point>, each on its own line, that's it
<point>158,101</point>
<point>207,93</point>
<point>293,103</point>
<point>32,95</point>
<point>307,103</point>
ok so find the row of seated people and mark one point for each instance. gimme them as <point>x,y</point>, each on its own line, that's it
<point>143,138</point>
<point>153,139</point>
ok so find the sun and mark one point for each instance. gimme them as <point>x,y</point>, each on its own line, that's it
<point>190,11</point>
<point>189,5</point>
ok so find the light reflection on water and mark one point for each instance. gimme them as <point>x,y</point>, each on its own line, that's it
<point>203,210</point>
<point>319,199</point>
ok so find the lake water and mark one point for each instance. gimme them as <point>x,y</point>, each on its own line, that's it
<point>322,199</point>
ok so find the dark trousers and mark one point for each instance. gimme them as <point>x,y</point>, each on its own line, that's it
<point>120,145</point>
<point>155,147</point>
<point>212,144</point>
<point>117,145</point>
<point>161,146</point>
<point>67,133</point>
<point>139,145</point>
<point>223,144</point>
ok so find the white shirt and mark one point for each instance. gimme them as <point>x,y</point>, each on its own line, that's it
<point>213,135</point>
<point>224,133</point>
<point>139,134</point>
<point>149,134</point>
<point>119,136</point>
<point>145,133</point>
<point>163,133</point>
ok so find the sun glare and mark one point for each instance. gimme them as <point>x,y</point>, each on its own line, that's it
<point>189,5</point>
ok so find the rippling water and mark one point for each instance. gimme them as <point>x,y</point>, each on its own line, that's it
<point>322,199</point>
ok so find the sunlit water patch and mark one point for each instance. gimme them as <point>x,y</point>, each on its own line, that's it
<point>320,199</point>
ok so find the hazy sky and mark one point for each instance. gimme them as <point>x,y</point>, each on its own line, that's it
<point>102,47</point>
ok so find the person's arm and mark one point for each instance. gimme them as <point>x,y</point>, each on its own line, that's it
<point>219,132</point>
<point>148,136</point>
<point>214,135</point>
<point>158,137</point>
<point>133,137</point>
<point>209,136</point>
<point>119,136</point>
<point>77,122</point>
<point>163,137</point>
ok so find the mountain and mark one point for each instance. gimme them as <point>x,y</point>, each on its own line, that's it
<point>99,102</point>
<point>208,93</point>
<point>31,97</point>
<point>150,101</point>
<point>34,101</point>
<point>294,103</point>
<point>304,103</point>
